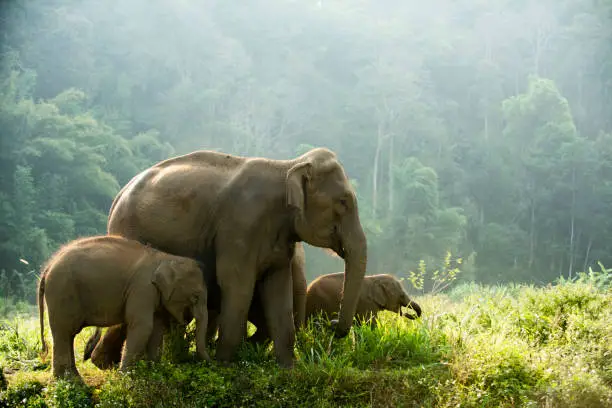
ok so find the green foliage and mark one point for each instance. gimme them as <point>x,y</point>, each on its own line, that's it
<point>19,344</point>
<point>68,394</point>
<point>438,280</point>
<point>396,344</point>
<point>601,279</point>
<point>486,143</point>
<point>261,386</point>
<point>505,346</point>
<point>28,394</point>
<point>60,394</point>
<point>60,172</point>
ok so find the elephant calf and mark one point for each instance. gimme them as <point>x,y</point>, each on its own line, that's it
<point>378,292</point>
<point>108,280</point>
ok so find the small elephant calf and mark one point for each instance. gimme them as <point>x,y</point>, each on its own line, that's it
<point>378,292</point>
<point>107,280</point>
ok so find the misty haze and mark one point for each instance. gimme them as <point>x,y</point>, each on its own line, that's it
<point>476,136</point>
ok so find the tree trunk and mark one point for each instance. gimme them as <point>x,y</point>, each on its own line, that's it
<point>375,173</point>
<point>391,178</point>
<point>572,223</point>
<point>586,256</point>
<point>375,181</point>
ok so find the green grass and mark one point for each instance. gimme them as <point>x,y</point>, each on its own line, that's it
<point>502,346</point>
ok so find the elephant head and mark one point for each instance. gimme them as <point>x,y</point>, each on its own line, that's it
<point>181,286</point>
<point>327,216</point>
<point>388,293</point>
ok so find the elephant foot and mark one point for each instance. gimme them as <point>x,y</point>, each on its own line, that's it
<point>227,350</point>
<point>285,357</point>
<point>69,374</point>
<point>286,363</point>
<point>339,333</point>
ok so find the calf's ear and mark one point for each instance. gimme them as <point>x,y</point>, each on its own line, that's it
<point>165,278</point>
<point>378,294</point>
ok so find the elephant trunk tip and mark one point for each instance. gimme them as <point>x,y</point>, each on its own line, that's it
<point>417,309</point>
<point>415,306</point>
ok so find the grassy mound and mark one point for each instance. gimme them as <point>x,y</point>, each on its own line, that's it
<point>474,347</point>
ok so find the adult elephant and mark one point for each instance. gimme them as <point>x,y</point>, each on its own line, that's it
<point>243,216</point>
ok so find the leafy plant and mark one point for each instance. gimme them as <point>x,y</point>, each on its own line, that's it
<point>439,279</point>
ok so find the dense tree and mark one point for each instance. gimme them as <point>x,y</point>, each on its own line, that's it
<point>480,128</point>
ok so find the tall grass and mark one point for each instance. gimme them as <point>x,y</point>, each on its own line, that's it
<point>476,346</point>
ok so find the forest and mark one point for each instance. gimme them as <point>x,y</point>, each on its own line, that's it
<point>483,129</point>
<point>477,134</point>
<point>480,129</point>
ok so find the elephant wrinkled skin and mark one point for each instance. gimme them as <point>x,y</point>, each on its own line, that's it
<point>108,280</point>
<point>378,292</point>
<point>243,216</point>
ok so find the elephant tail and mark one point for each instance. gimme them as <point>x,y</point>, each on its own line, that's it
<point>91,344</point>
<point>414,306</point>
<point>41,310</point>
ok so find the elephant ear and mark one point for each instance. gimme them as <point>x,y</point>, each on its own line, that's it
<point>297,177</point>
<point>165,278</point>
<point>378,294</point>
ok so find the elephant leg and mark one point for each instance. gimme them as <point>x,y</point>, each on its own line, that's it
<point>138,335</point>
<point>64,364</point>
<point>277,301</point>
<point>156,340</point>
<point>107,352</point>
<point>298,280</point>
<point>237,283</point>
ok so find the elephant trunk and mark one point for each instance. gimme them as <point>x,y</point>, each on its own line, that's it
<point>299,287</point>
<point>414,306</point>
<point>355,250</point>
<point>200,312</point>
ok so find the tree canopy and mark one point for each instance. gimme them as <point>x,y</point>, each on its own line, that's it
<point>479,128</point>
